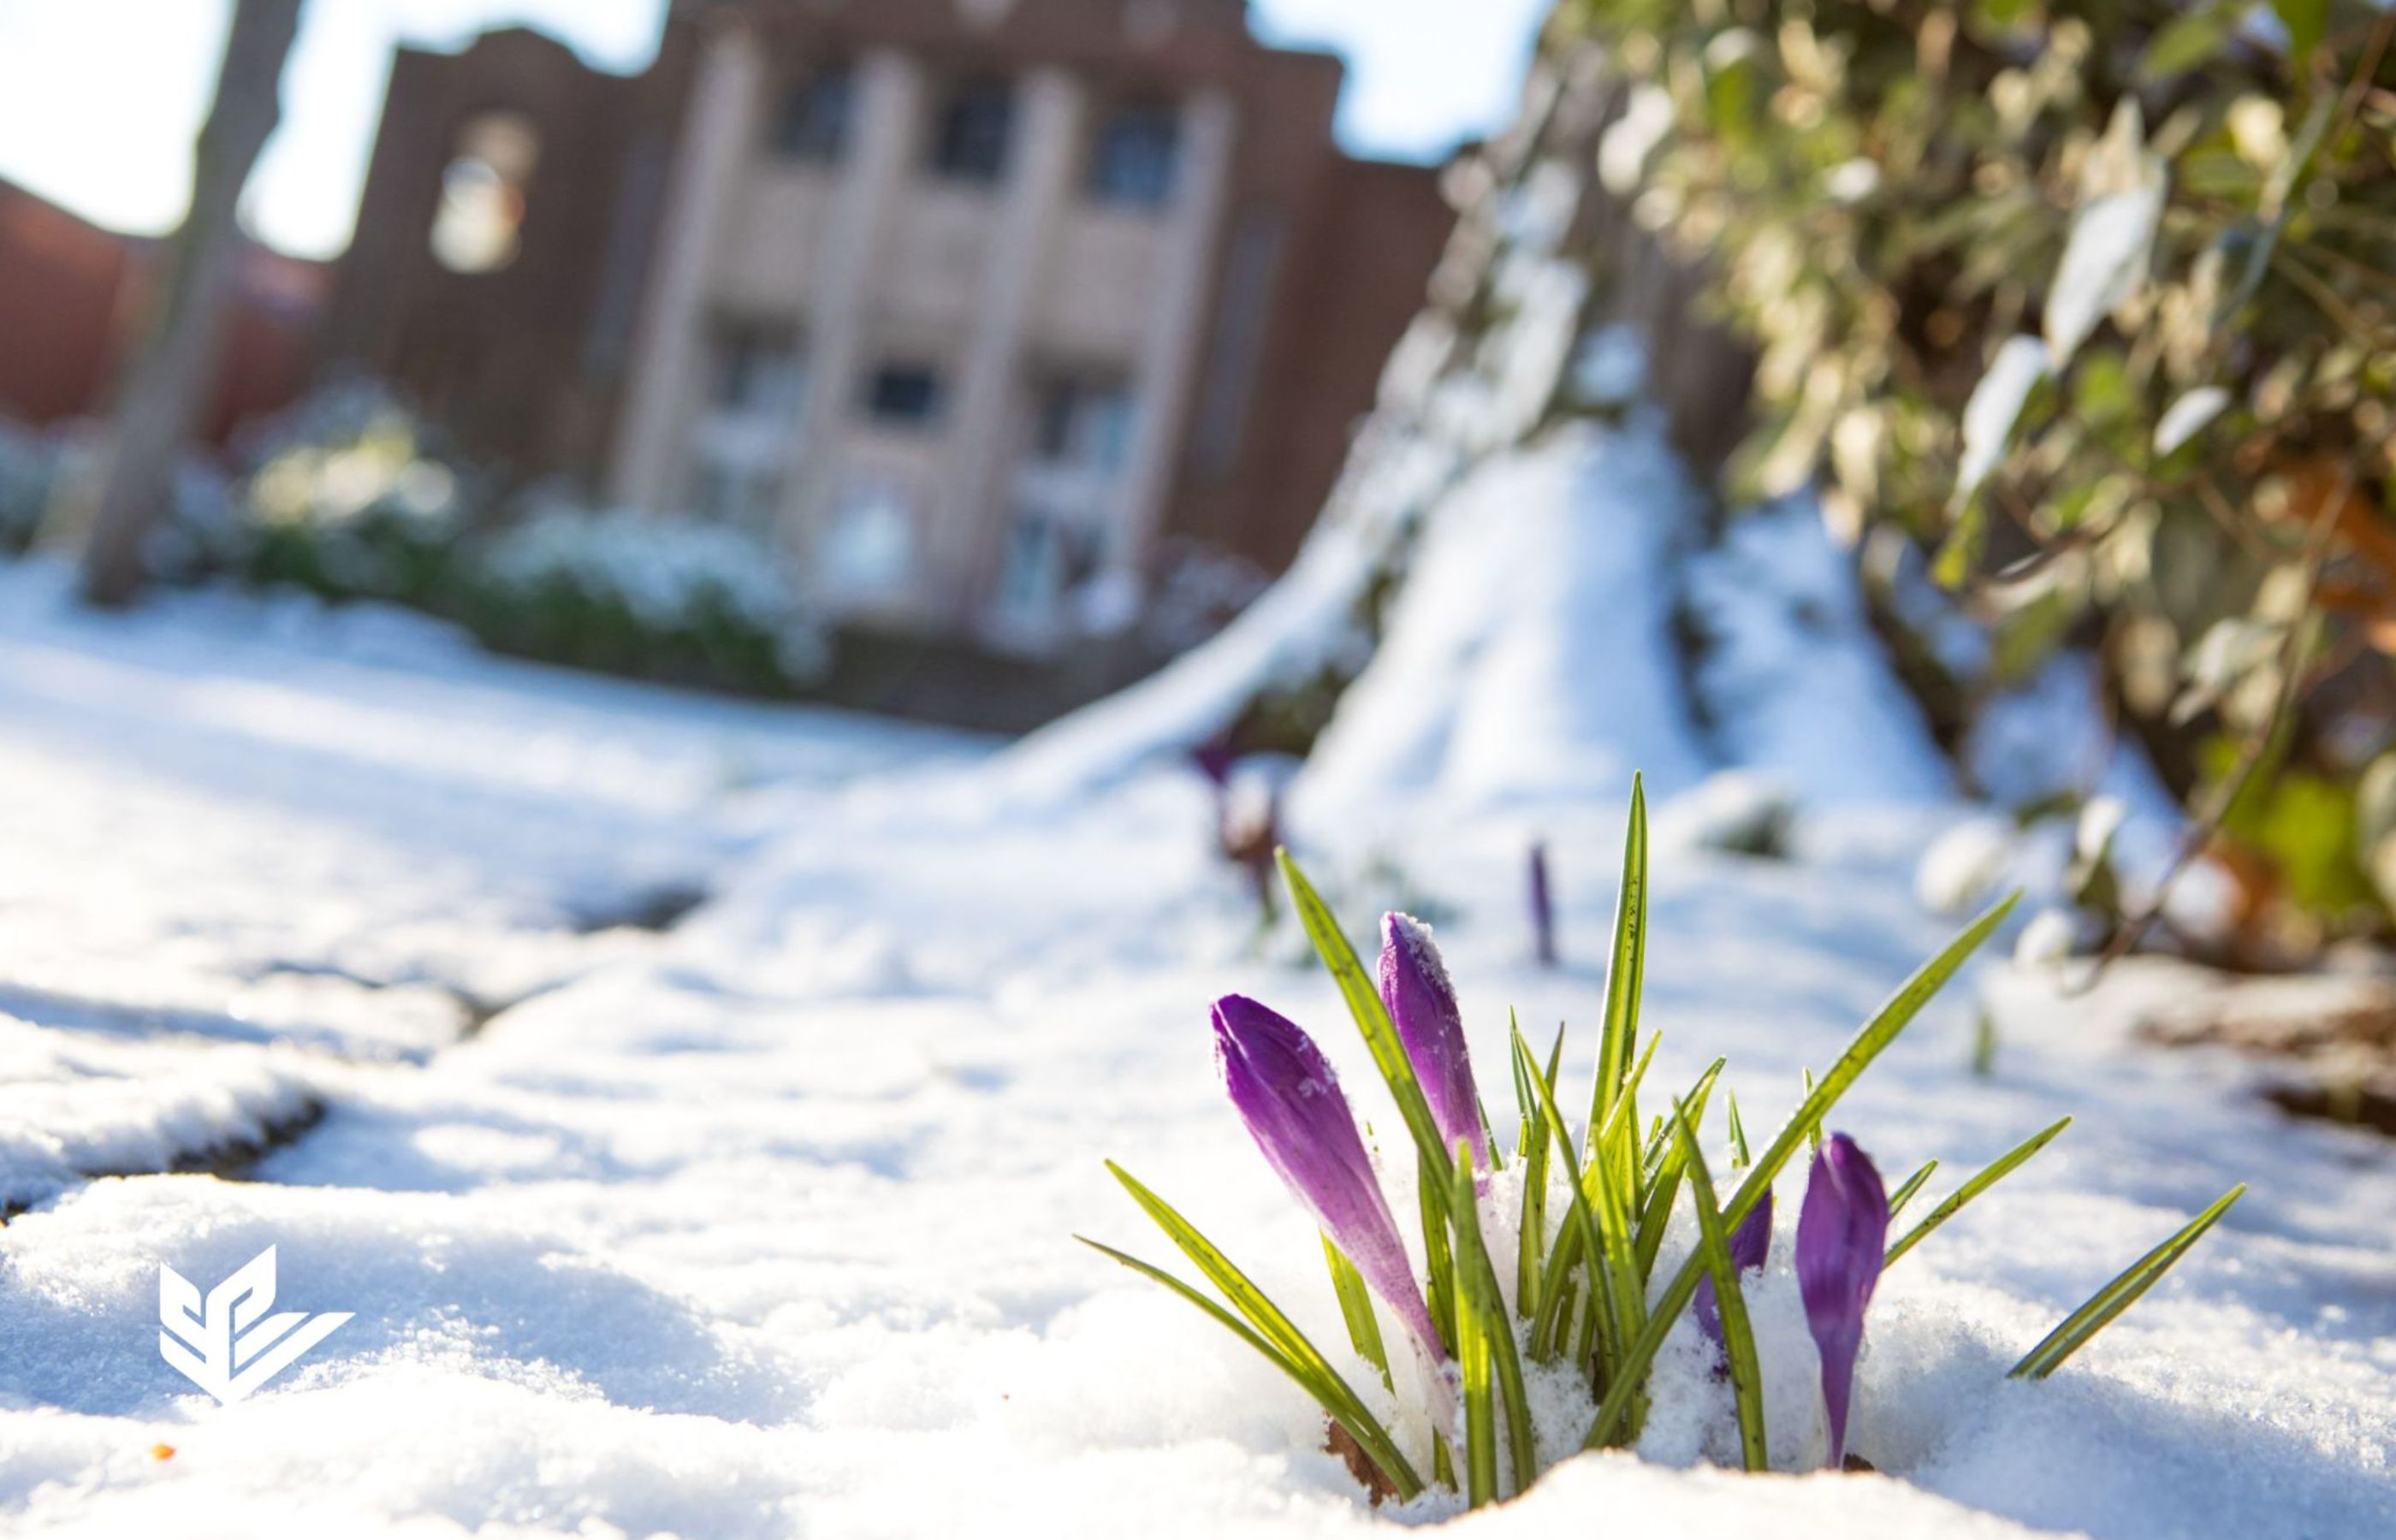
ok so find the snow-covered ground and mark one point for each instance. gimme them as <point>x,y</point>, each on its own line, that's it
<point>760,1224</point>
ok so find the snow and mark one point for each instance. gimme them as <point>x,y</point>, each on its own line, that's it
<point>1791,674</point>
<point>1530,657</point>
<point>760,1225</point>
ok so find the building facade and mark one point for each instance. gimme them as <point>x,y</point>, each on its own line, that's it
<point>981,310</point>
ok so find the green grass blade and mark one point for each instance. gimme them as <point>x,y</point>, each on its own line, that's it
<point>1372,1017</point>
<point>1904,1195</point>
<point>1224,1318</point>
<point>1430,1189</point>
<point>1812,1129</point>
<point>1730,1304</point>
<point>1741,1157</point>
<point>1578,1243</point>
<point>1356,1310</point>
<point>1627,965</point>
<point>1472,1359</point>
<point>1532,1227</point>
<point>1664,1189</point>
<point>2120,1295</point>
<point>1663,1149</point>
<point>1480,1413</point>
<point>1876,1035</point>
<point>1310,1367</point>
<point>1361,1426</point>
<point>1980,1182</point>
<point>1615,1280</point>
<point>1478,1298</point>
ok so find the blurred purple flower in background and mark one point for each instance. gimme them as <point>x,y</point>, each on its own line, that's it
<point>1543,907</point>
<point>1842,1236</point>
<point>1286,1093</point>
<point>1422,1005</point>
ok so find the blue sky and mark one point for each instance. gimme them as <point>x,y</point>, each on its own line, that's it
<point>99,98</point>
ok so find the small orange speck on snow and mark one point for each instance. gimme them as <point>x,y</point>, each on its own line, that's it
<point>162,1451</point>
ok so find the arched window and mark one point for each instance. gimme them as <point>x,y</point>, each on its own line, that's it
<point>478,226</point>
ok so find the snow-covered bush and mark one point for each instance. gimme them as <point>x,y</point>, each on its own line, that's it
<point>1574,1354</point>
<point>349,497</point>
<point>28,470</point>
<point>637,593</point>
<point>1202,590</point>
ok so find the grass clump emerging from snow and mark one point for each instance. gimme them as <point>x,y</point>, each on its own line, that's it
<point>1588,1307</point>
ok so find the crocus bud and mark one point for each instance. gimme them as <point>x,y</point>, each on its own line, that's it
<point>1213,759</point>
<point>1422,1005</point>
<point>1286,1093</point>
<point>1750,1244</point>
<point>1543,907</point>
<point>1842,1235</point>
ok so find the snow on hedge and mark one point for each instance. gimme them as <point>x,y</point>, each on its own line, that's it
<point>1530,655</point>
<point>669,575</point>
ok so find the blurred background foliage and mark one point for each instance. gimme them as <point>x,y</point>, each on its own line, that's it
<point>2089,309</point>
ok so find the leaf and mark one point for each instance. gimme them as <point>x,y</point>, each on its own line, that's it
<point>1431,1190</point>
<point>1903,1195</point>
<point>1582,1227</point>
<point>1741,1157</point>
<point>1892,1018</point>
<point>2117,1297</point>
<point>1356,1310</point>
<point>1372,1017</point>
<point>1479,1302</point>
<point>1369,1433</point>
<point>1995,406</point>
<point>1627,967</point>
<point>2183,419</point>
<point>2308,22</point>
<point>1304,1362</point>
<point>1472,1350</point>
<point>2185,42</point>
<point>2105,257</point>
<point>1876,1035</point>
<point>1730,1305</point>
<point>1532,1227</point>
<point>1979,1182</point>
<point>1658,1211</point>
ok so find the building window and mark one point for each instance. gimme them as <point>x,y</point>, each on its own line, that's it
<point>740,442</point>
<point>727,492</point>
<point>1132,160</point>
<point>904,394</point>
<point>969,142</point>
<point>479,223</point>
<point>1067,508</point>
<point>811,124</point>
<point>868,551</point>
<point>756,371</point>
<point>1084,423</point>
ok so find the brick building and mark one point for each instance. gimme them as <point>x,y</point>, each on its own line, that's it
<point>978,306</point>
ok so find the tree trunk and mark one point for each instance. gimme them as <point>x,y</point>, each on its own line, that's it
<point>166,384</point>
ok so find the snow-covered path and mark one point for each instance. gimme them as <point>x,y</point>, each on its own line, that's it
<point>761,1226</point>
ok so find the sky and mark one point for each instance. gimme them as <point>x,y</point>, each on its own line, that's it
<point>99,99</point>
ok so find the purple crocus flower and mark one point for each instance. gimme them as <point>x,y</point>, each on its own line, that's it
<point>1422,1005</point>
<point>1842,1235</point>
<point>1213,759</point>
<point>1750,1244</point>
<point>1288,1095</point>
<point>1543,907</point>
